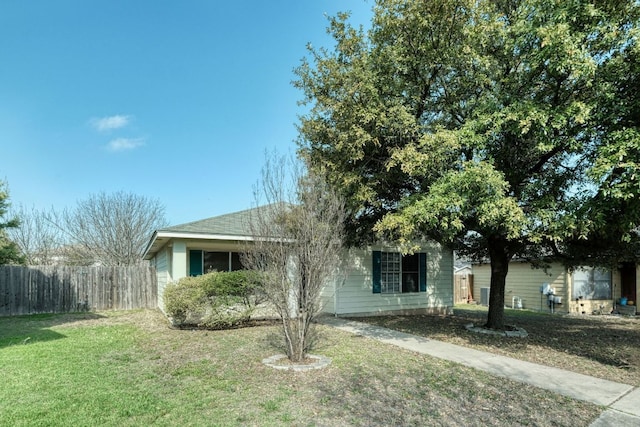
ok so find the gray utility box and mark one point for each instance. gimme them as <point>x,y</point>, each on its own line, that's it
<point>484,296</point>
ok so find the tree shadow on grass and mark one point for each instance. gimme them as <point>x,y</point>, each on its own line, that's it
<point>609,341</point>
<point>417,392</point>
<point>29,329</point>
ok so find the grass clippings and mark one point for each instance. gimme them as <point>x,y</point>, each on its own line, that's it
<point>131,368</point>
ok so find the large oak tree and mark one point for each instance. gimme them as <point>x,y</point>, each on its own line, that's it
<point>502,128</point>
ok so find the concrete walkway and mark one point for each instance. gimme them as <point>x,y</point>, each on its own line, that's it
<point>622,400</point>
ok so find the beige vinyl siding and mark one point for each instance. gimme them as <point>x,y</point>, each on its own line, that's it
<point>354,290</point>
<point>524,282</point>
<point>481,279</point>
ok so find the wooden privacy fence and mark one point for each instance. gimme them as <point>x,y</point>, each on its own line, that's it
<point>61,289</point>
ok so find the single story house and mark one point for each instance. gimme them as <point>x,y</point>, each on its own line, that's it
<point>377,279</point>
<point>584,290</point>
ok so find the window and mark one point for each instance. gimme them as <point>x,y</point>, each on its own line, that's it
<point>390,270</point>
<point>591,284</point>
<point>205,262</point>
<point>397,273</point>
<point>222,261</point>
<point>410,273</point>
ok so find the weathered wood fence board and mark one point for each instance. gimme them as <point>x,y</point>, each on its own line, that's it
<point>61,289</point>
<point>463,288</point>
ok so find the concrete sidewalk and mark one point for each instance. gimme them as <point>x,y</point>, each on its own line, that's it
<point>622,400</point>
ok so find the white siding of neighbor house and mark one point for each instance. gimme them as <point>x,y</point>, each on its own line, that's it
<point>353,294</point>
<point>524,282</point>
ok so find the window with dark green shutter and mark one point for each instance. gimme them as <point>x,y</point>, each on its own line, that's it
<point>423,272</point>
<point>377,270</point>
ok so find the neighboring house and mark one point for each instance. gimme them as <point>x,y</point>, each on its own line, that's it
<point>374,280</point>
<point>584,291</point>
<point>463,270</point>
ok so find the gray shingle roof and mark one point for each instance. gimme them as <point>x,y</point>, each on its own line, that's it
<point>231,224</point>
<point>228,226</point>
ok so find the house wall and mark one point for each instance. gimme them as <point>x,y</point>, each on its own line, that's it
<point>328,292</point>
<point>524,281</point>
<point>353,294</point>
<point>161,261</point>
<point>179,260</point>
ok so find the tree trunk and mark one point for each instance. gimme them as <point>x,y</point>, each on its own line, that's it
<point>500,258</point>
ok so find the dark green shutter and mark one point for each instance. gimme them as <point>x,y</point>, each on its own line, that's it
<point>377,272</point>
<point>423,272</point>
<point>195,263</point>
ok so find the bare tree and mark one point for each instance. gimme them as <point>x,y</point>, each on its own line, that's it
<point>40,241</point>
<point>111,229</point>
<point>297,241</point>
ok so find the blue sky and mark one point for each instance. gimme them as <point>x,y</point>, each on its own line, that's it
<point>172,100</point>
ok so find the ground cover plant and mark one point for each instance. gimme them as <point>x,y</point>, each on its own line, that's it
<point>131,368</point>
<point>601,346</point>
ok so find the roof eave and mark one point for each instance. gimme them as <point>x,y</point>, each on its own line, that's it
<point>149,252</point>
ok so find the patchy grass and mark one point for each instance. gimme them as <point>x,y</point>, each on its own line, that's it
<point>606,347</point>
<point>130,368</point>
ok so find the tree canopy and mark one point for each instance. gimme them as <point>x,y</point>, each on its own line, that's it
<point>501,128</point>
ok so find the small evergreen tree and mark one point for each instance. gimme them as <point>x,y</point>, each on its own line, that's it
<point>9,251</point>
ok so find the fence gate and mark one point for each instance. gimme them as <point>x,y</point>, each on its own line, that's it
<point>462,288</point>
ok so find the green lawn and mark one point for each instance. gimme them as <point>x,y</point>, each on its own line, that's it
<point>129,368</point>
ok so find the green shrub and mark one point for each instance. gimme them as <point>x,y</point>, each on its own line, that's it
<point>184,297</point>
<point>214,300</point>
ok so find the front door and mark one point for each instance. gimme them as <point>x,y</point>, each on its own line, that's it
<point>628,281</point>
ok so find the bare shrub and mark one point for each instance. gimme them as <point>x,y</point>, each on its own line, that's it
<point>296,243</point>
